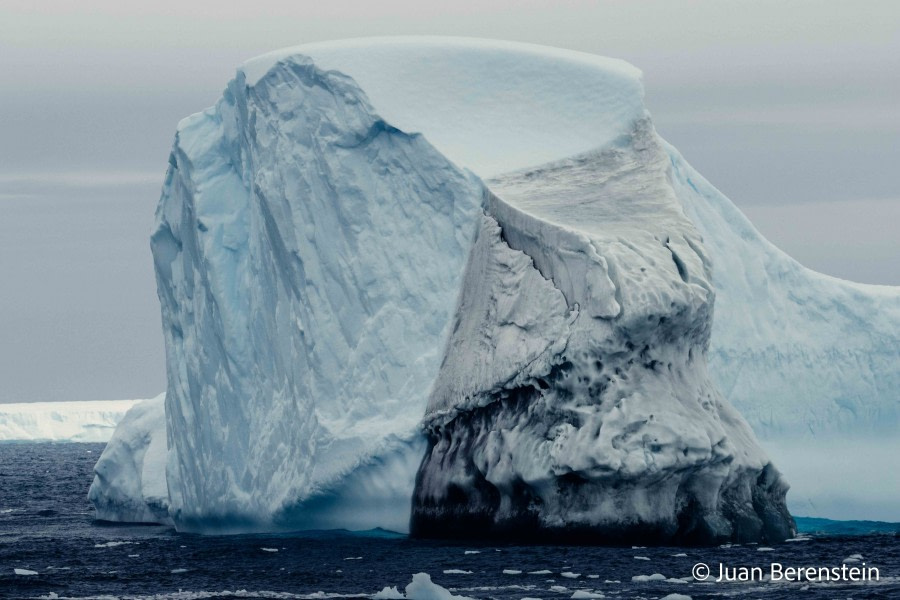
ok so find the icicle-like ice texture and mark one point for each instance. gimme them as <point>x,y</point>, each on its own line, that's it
<point>479,253</point>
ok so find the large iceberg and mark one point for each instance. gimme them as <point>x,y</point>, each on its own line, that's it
<point>75,421</point>
<point>479,253</point>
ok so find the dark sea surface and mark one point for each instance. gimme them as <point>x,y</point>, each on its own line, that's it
<point>47,527</point>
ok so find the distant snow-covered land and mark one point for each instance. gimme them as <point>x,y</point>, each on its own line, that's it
<point>87,421</point>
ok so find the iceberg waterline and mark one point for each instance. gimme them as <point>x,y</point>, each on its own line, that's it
<point>309,253</point>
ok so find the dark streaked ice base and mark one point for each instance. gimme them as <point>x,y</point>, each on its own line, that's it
<point>47,526</point>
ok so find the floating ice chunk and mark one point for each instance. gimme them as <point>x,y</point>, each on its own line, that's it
<point>25,572</point>
<point>646,578</point>
<point>389,593</point>
<point>422,588</point>
<point>114,544</point>
<point>765,549</point>
<point>541,572</point>
<point>177,571</point>
<point>676,597</point>
<point>853,558</point>
<point>680,554</point>
<point>593,577</point>
<point>512,572</point>
<point>269,549</point>
<point>353,558</point>
<point>559,588</point>
<point>472,552</point>
<point>641,558</point>
<point>456,572</point>
<point>584,594</point>
<point>570,575</point>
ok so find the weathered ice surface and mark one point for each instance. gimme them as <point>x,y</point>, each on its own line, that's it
<point>308,257</point>
<point>130,478</point>
<point>332,270</point>
<point>574,402</point>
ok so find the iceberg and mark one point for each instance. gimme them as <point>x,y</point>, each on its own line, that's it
<point>129,478</point>
<point>463,286</point>
<point>76,421</point>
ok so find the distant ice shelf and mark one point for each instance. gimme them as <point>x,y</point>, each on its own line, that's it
<point>81,421</point>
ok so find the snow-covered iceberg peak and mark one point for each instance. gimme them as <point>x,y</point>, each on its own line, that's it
<point>308,257</point>
<point>490,106</point>
<point>574,402</point>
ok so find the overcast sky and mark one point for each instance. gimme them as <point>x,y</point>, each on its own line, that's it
<point>790,108</point>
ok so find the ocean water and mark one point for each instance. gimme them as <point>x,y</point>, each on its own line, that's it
<point>47,527</point>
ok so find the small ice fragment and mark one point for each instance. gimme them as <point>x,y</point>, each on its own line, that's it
<point>133,555</point>
<point>646,578</point>
<point>641,558</point>
<point>679,554</point>
<point>389,593</point>
<point>541,572</point>
<point>675,597</point>
<point>269,549</point>
<point>25,572</point>
<point>765,549</point>
<point>353,558</point>
<point>593,577</point>
<point>456,572</point>
<point>177,571</point>
<point>558,588</point>
<point>570,574</point>
<point>584,594</point>
<point>472,552</point>
<point>512,572</point>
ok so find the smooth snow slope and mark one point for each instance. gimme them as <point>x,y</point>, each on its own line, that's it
<point>88,421</point>
<point>487,105</point>
<point>800,353</point>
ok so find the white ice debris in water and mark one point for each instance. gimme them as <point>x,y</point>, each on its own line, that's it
<point>114,544</point>
<point>24,572</point>
<point>541,572</point>
<point>178,571</point>
<point>558,588</point>
<point>422,588</point>
<point>765,549</point>
<point>456,572</point>
<point>585,594</point>
<point>269,549</point>
<point>87,421</point>
<point>512,572</point>
<point>679,554</point>
<point>646,578</point>
<point>853,558</point>
<point>570,575</point>
<point>472,552</point>
<point>311,246</point>
<point>641,558</point>
<point>676,597</point>
<point>353,558</point>
<point>389,593</point>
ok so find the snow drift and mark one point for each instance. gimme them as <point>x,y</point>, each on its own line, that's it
<point>88,421</point>
<point>332,270</point>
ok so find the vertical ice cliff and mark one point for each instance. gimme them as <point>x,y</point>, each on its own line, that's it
<point>574,402</point>
<point>308,257</point>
